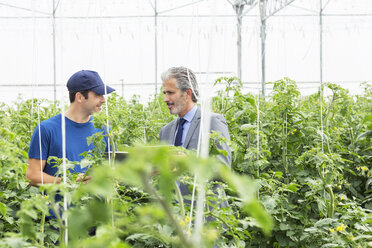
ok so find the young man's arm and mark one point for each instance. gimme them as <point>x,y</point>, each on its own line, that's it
<point>35,172</point>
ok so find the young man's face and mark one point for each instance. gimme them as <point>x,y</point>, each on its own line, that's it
<point>175,98</point>
<point>94,102</point>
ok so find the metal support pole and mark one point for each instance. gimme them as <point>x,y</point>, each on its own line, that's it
<point>262,8</point>
<point>156,46</point>
<point>321,72</point>
<point>122,88</point>
<point>238,7</point>
<point>321,42</point>
<point>54,51</point>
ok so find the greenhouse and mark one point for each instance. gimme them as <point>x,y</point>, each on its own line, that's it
<point>186,123</point>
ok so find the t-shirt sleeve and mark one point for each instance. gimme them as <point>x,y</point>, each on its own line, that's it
<point>34,151</point>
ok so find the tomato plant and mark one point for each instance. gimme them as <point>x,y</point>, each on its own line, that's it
<point>300,175</point>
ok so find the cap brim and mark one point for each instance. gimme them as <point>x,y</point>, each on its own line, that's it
<point>100,90</point>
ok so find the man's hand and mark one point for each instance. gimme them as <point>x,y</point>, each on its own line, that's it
<point>180,154</point>
<point>84,178</point>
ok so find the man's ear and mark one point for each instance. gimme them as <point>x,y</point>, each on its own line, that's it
<point>189,92</point>
<point>79,97</point>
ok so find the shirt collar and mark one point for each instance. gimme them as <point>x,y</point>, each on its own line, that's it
<point>190,115</point>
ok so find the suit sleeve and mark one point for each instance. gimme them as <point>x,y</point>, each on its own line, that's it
<point>218,124</point>
<point>161,134</point>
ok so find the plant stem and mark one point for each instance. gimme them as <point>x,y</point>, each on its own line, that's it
<point>180,200</point>
<point>328,188</point>
<point>331,209</point>
<point>42,228</point>
<point>225,111</point>
<point>199,214</point>
<point>284,144</point>
<point>184,241</point>
<point>62,228</point>
<point>225,223</point>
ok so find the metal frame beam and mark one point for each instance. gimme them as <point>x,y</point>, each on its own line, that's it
<point>179,7</point>
<point>268,8</point>
<point>274,6</point>
<point>316,14</point>
<point>26,9</point>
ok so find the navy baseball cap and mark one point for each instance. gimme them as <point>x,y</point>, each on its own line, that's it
<point>87,80</point>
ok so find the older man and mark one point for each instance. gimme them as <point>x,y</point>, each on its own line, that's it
<point>181,93</point>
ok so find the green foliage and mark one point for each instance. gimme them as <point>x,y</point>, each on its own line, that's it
<point>307,172</point>
<point>297,180</point>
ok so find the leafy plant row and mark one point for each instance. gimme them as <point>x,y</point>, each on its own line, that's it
<point>304,161</point>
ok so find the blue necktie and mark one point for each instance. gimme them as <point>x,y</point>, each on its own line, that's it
<point>178,140</point>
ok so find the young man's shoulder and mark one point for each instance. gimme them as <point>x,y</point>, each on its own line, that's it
<point>54,121</point>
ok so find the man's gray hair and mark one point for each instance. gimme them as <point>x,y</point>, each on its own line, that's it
<point>185,79</point>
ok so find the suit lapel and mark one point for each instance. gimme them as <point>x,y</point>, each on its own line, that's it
<point>194,125</point>
<point>172,132</point>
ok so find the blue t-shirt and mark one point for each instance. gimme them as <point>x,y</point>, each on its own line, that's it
<point>51,141</point>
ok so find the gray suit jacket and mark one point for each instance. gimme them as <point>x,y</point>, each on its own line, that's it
<point>218,124</point>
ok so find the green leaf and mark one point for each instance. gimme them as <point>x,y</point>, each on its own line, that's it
<point>247,191</point>
<point>3,209</point>
<point>278,174</point>
<point>293,187</point>
<point>324,222</point>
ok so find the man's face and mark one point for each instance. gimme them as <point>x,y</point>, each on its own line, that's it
<point>174,98</point>
<point>94,102</point>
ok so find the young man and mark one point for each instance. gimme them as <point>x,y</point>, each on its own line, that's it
<point>181,93</point>
<point>86,92</point>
